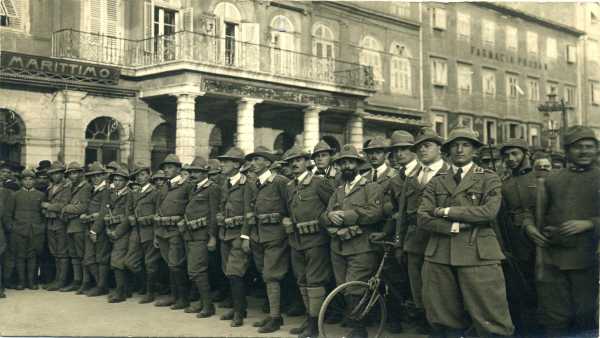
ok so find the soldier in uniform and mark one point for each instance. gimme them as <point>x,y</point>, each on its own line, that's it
<point>462,275</point>
<point>97,246</point>
<point>199,230</point>
<point>42,179</point>
<point>517,212</point>
<point>170,209</point>
<point>114,220</point>
<point>59,195</point>
<point>234,231</point>
<point>142,256</point>
<point>354,211</point>
<point>8,174</point>
<point>307,198</point>
<point>490,158</point>
<point>269,244</point>
<point>159,179</point>
<point>6,207</point>
<point>568,287</point>
<point>412,239</point>
<point>78,205</point>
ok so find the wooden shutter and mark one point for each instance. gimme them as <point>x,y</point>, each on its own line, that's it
<point>113,32</point>
<point>148,26</point>
<point>251,50</point>
<point>187,19</point>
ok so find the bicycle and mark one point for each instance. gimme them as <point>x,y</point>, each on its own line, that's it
<point>370,296</point>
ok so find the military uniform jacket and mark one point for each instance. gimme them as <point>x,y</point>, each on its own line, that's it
<point>268,199</point>
<point>203,204</point>
<point>233,205</point>
<point>27,218</point>
<point>518,210</point>
<point>474,202</point>
<point>143,204</point>
<point>80,197</point>
<point>384,181</point>
<point>413,238</point>
<point>59,195</point>
<point>6,207</point>
<point>98,198</point>
<point>306,202</point>
<point>395,190</point>
<point>333,175</point>
<point>572,195</point>
<point>117,205</point>
<point>362,207</point>
<point>171,202</point>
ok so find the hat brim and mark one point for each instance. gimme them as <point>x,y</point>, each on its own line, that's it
<point>435,139</point>
<point>268,156</point>
<point>197,168</point>
<point>289,158</point>
<point>359,159</point>
<point>119,174</point>
<point>476,142</point>
<point>401,145</point>
<point>178,164</point>
<point>52,171</point>
<point>231,158</point>
<point>72,170</point>
<point>92,173</point>
<point>384,148</point>
<point>330,151</point>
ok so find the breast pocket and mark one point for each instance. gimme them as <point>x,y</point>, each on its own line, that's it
<point>441,198</point>
<point>474,196</point>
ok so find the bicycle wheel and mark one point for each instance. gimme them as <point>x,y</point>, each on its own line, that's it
<point>366,308</point>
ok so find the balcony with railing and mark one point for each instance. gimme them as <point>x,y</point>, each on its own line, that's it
<point>219,54</point>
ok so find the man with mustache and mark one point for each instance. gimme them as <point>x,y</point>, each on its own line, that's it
<point>354,212</point>
<point>568,289</point>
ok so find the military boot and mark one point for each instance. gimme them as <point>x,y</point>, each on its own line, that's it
<point>102,282</point>
<point>170,299</point>
<point>150,288</point>
<point>86,281</point>
<point>119,294</point>
<point>182,300</point>
<point>316,296</point>
<point>275,321</point>
<point>208,308</point>
<point>32,269</point>
<point>62,272</point>
<point>77,278</point>
<point>238,295</point>
<point>21,274</point>
<point>298,330</point>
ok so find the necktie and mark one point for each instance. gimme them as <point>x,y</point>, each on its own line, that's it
<point>402,173</point>
<point>458,176</point>
<point>374,175</point>
<point>258,184</point>
<point>425,177</point>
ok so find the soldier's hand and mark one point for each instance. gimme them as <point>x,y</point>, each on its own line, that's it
<point>574,227</point>
<point>212,243</point>
<point>155,242</point>
<point>45,205</point>
<point>337,217</point>
<point>536,236</point>
<point>246,246</point>
<point>377,236</point>
<point>550,231</point>
<point>93,236</point>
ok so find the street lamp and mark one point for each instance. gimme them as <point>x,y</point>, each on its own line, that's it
<point>553,127</point>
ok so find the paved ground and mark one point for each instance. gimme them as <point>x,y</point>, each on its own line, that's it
<point>35,313</point>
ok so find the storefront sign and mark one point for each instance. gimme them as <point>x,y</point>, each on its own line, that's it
<point>512,59</point>
<point>39,66</point>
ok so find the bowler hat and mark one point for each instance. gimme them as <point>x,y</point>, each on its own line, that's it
<point>43,165</point>
<point>262,152</point>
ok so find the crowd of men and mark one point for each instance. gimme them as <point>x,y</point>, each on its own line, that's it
<point>489,241</point>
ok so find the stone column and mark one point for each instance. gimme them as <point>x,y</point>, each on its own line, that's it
<point>185,135</point>
<point>69,110</point>
<point>355,129</point>
<point>245,124</point>
<point>311,127</point>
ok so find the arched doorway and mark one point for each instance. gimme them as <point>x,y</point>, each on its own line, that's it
<point>103,136</point>
<point>12,135</point>
<point>333,142</point>
<point>163,143</point>
<point>221,138</point>
<point>283,142</point>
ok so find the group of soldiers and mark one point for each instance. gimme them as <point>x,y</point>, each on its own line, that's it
<point>486,244</point>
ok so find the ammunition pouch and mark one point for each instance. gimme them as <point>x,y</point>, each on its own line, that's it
<point>345,233</point>
<point>113,220</point>
<point>233,222</point>
<point>50,214</point>
<point>269,219</point>
<point>308,228</point>
<point>167,221</point>
<point>196,224</point>
<point>145,221</point>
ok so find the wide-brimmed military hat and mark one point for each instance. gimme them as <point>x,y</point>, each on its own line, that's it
<point>114,165</point>
<point>577,133</point>
<point>214,166</point>
<point>159,175</point>
<point>514,143</point>
<point>295,152</point>
<point>138,167</point>
<point>349,151</point>
<point>401,138</point>
<point>27,173</point>
<point>199,163</point>
<point>56,166</point>
<point>234,153</point>
<point>322,146</point>
<point>462,132</point>
<point>123,172</point>
<point>262,152</point>
<point>73,166</point>
<point>95,169</point>
<point>378,142</point>
<point>171,159</point>
<point>428,134</point>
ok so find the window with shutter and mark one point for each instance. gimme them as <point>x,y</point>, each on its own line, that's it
<point>439,72</point>
<point>228,30</point>
<point>102,40</point>
<point>532,42</point>
<point>323,65</point>
<point>489,82</point>
<point>370,55</point>
<point>283,46</point>
<point>488,32</point>
<point>465,79</point>
<point>512,84</point>
<point>512,40</point>
<point>533,90</point>
<point>250,37</point>
<point>551,48</point>
<point>463,26</point>
<point>438,18</point>
<point>14,14</point>
<point>571,54</point>
<point>595,93</point>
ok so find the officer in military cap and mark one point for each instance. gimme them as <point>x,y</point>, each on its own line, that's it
<point>568,288</point>
<point>113,219</point>
<point>516,214</point>
<point>59,195</point>
<point>307,198</point>
<point>462,275</point>
<point>354,211</point>
<point>81,192</point>
<point>96,258</point>
<point>170,210</point>
<point>28,230</point>
<point>142,256</point>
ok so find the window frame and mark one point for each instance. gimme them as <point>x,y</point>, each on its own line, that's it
<point>488,32</point>
<point>512,39</point>
<point>463,26</point>
<point>435,71</point>
<point>484,85</point>
<point>443,119</point>
<point>530,45</point>
<point>461,70</point>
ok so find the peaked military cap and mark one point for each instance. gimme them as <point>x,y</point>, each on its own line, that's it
<point>234,153</point>
<point>199,163</point>
<point>295,152</point>
<point>321,147</point>
<point>349,151</point>
<point>158,175</point>
<point>27,173</point>
<point>73,166</point>
<point>577,133</point>
<point>402,138</point>
<point>214,166</point>
<point>171,159</point>
<point>95,169</point>
<point>462,132</point>
<point>428,134</point>
<point>139,167</point>
<point>262,152</point>
<point>514,143</point>
<point>56,166</point>
<point>123,172</point>
<point>378,142</point>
